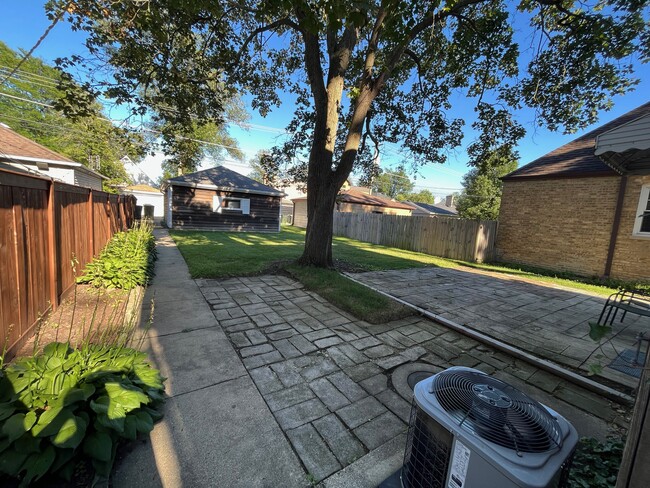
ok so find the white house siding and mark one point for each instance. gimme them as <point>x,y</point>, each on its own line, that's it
<point>633,135</point>
<point>300,213</point>
<point>150,198</point>
<point>82,178</point>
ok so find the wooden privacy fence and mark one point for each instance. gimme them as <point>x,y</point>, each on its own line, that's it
<point>44,227</point>
<point>467,240</point>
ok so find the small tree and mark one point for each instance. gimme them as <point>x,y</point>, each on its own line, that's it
<point>482,185</point>
<point>393,183</point>
<point>364,73</point>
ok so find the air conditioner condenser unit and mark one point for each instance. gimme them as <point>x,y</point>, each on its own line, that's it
<point>470,430</point>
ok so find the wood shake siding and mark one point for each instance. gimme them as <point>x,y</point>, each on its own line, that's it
<point>192,209</point>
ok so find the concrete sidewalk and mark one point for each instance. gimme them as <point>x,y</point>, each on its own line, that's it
<point>217,429</point>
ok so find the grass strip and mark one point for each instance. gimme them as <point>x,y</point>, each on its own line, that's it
<point>362,302</point>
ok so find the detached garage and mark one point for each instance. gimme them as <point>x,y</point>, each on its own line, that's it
<point>221,199</point>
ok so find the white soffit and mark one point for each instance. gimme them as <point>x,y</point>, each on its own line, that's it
<point>635,135</point>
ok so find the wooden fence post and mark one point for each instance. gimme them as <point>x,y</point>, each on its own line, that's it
<point>91,224</point>
<point>51,245</point>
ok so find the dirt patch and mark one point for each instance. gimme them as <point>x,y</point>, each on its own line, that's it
<point>87,314</point>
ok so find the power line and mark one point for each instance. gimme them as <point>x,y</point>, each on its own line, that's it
<point>26,100</point>
<point>55,20</point>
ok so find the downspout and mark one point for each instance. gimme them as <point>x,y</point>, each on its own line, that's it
<point>615,226</point>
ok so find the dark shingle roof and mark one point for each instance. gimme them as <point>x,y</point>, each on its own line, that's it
<point>356,196</point>
<point>576,158</point>
<point>440,208</point>
<point>221,178</point>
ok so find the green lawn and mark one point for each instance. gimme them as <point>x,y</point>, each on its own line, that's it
<point>223,254</point>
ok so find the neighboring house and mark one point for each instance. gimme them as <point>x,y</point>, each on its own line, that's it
<point>147,195</point>
<point>584,207</point>
<point>445,209</point>
<point>20,152</point>
<point>221,199</point>
<point>354,200</point>
<point>138,176</point>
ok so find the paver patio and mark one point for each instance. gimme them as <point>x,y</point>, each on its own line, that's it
<point>270,385</point>
<point>548,321</point>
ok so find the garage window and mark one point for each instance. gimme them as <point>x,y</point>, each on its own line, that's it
<point>231,205</point>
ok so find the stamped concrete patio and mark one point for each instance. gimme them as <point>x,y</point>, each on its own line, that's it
<point>270,385</point>
<point>548,321</point>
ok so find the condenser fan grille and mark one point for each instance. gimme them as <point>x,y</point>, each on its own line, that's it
<point>496,411</point>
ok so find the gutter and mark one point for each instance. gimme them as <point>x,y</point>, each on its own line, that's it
<point>615,226</point>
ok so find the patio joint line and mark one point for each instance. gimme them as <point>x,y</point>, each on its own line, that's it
<point>210,386</point>
<point>586,383</point>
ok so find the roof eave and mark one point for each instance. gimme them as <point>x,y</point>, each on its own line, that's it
<point>223,188</point>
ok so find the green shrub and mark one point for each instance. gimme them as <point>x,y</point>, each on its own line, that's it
<point>65,404</point>
<point>596,464</point>
<point>127,260</point>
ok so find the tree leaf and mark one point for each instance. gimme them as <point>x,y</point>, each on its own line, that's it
<point>597,331</point>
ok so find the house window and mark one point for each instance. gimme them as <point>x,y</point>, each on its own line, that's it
<point>230,204</point>
<point>642,220</point>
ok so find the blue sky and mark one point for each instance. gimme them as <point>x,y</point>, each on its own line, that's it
<point>23,22</point>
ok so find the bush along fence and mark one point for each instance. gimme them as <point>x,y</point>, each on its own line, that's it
<point>48,228</point>
<point>126,262</point>
<point>466,240</point>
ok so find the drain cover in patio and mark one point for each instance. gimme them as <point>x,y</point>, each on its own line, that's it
<point>627,362</point>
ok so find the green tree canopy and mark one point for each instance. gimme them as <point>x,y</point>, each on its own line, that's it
<point>393,183</point>
<point>367,73</point>
<point>90,137</point>
<point>265,168</point>
<point>422,196</point>
<point>482,186</point>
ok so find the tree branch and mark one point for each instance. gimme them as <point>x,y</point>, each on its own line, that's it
<point>273,25</point>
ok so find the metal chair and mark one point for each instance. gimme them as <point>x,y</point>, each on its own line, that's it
<point>627,300</point>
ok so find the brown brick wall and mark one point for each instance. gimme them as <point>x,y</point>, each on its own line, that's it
<point>561,224</point>
<point>632,254</point>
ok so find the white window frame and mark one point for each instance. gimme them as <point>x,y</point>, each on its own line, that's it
<point>641,208</point>
<point>244,205</point>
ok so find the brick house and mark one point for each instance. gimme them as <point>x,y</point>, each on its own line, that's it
<point>584,207</point>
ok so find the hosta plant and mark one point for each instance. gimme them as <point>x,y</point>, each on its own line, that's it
<point>127,260</point>
<point>65,404</point>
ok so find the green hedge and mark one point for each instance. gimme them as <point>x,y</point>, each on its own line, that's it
<point>66,404</point>
<point>127,260</point>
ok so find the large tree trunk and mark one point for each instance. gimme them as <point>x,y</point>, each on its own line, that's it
<point>318,240</point>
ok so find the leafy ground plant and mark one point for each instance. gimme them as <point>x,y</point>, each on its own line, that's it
<point>595,463</point>
<point>126,262</point>
<point>66,404</point>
